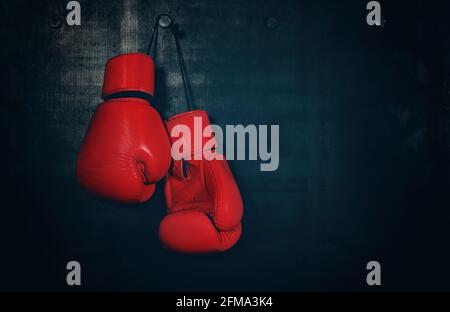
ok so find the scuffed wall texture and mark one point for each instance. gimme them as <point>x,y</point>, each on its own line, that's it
<point>364,137</point>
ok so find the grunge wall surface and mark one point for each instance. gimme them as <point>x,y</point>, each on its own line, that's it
<point>364,143</point>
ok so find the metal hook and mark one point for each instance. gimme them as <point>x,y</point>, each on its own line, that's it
<point>165,20</point>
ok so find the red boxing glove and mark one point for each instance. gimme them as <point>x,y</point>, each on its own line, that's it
<point>126,148</point>
<point>203,201</point>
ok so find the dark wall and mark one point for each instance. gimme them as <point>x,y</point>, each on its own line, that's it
<point>364,142</point>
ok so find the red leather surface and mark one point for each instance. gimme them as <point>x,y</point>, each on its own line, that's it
<point>125,151</point>
<point>129,72</point>
<point>204,204</point>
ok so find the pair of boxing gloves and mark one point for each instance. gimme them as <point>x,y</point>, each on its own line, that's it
<point>127,149</point>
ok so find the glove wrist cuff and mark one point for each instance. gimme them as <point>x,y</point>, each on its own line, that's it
<point>132,72</point>
<point>191,130</point>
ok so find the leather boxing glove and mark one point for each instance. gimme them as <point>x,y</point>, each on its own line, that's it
<point>203,200</point>
<point>126,148</point>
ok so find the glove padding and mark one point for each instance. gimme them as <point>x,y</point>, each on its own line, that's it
<point>202,198</point>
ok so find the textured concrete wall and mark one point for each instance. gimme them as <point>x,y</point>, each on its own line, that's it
<point>364,121</point>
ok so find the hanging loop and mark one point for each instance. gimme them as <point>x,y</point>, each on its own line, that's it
<point>165,21</point>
